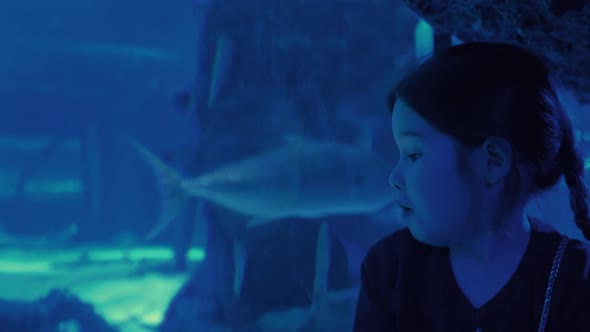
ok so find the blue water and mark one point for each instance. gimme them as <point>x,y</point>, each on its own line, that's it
<point>199,84</point>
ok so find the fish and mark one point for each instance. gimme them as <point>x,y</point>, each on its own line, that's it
<point>221,70</point>
<point>133,52</point>
<point>88,48</point>
<point>51,240</point>
<point>304,178</point>
<point>321,312</point>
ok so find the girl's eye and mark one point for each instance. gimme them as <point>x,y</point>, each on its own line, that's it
<point>413,156</point>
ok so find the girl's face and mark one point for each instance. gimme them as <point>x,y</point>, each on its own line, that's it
<point>434,178</point>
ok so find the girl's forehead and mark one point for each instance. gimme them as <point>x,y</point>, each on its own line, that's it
<point>405,122</point>
<point>409,126</point>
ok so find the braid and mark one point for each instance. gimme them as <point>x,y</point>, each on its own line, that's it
<point>572,166</point>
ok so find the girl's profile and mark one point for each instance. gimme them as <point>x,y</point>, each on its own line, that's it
<point>480,130</point>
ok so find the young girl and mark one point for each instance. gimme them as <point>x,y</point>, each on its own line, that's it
<point>480,130</point>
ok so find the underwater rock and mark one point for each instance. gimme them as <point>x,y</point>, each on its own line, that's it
<point>555,30</point>
<point>59,311</point>
<point>279,275</point>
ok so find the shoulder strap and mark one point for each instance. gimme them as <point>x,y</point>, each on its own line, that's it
<point>552,277</point>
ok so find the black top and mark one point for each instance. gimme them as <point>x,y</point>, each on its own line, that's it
<point>410,286</point>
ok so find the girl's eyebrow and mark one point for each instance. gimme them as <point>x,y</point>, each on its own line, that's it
<point>410,133</point>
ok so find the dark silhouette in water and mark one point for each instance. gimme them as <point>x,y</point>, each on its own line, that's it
<point>279,275</point>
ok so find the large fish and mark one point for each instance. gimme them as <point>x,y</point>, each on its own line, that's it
<point>129,52</point>
<point>221,70</point>
<point>304,178</point>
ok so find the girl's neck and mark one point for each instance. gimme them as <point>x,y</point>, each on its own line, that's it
<point>495,246</point>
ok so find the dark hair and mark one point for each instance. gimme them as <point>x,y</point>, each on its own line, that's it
<point>476,90</point>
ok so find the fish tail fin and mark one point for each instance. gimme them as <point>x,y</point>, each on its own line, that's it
<point>174,198</point>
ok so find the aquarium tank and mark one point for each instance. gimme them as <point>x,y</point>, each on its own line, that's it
<point>204,165</point>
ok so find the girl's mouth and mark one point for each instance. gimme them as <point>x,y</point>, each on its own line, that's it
<point>405,211</point>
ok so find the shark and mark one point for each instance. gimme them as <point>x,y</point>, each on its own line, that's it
<point>303,178</point>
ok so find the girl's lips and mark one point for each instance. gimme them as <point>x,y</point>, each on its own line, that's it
<point>404,212</point>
